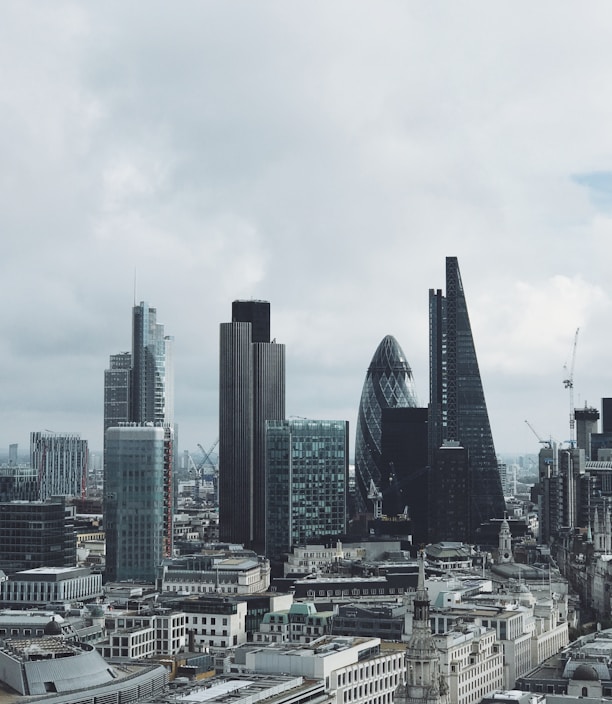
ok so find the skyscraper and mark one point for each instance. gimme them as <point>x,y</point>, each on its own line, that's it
<point>388,384</point>
<point>251,391</point>
<point>152,397</point>
<point>458,410</point>
<point>138,500</point>
<point>139,460</point>
<point>306,482</point>
<point>139,386</point>
<point>117,390</point>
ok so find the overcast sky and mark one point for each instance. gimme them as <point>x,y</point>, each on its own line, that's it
<point>325,156</point>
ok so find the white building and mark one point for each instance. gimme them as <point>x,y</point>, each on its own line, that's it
<point>206,574</point>
<point>215,623</point>
<point>355,670</point>
<point>301,623</point>
<point>136,635</point>
<point>529,627</point>
<point>50,585</point>
<point>471,661</point>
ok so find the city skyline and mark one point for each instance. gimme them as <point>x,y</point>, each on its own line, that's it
<point>181,162</point>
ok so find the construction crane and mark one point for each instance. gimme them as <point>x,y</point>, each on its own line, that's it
<point>206,456</point>
<point>568,383</point>
<point>375,495</point>
<point>548,443</point>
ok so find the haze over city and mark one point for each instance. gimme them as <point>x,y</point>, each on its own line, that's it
<point>323,157</point>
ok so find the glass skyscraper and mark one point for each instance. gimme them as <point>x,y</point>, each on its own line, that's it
<point>458,410</point>
<point>388,384</point>
<point>306,482</point>
<point>139,385</point>
<point>138,500</point>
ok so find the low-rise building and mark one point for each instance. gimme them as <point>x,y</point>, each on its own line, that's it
<point>214,574</point>
<point>136,635</point>
<point>42,586</point>
<point>216,623</point>
<point>356,670</point>
<point>301,623</point>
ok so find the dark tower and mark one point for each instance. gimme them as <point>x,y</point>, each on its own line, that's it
<point>251,391</point>
<point>458,410</point>
<point>404,453</point>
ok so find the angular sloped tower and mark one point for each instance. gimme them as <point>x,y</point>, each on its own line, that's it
<point>458,410</point>
<point>388,384</point>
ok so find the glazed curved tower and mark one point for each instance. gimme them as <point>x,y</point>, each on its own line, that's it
<point>388,384</point>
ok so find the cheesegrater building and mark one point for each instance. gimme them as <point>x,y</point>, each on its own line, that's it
<point>458,410</point>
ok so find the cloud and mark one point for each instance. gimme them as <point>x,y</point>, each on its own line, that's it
<point>326,157</point>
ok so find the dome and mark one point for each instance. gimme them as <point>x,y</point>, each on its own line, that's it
<point>585,672</point>
<point>53,628</point>
<point>388,384</point>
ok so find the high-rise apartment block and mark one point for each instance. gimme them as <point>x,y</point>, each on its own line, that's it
<point>138,500</point>
<point>306,482</point>
<point>458,409</point>
<point>251,391</point>
<point>61,461</point>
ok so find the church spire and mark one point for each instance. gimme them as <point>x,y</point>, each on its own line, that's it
<point>424,683</point>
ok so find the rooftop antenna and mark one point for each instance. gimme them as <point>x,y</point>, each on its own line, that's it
<point>134,286</point>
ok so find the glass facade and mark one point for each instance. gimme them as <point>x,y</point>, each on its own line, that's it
<point>458,409</point>
<point>138,500</point>
<point>306,482</point>
<point>36,534</point>
<point>388,384</point>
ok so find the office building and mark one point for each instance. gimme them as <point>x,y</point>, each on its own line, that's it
<point>451,483</point>
<point>458,410</point>
<point>138,500</point>
<point>586,425</point>
<point>50,586</point>
<point>117,390</point>
<point>36,534</point>
<point>18,482</point>
<point>139,386</point>
<point>306,482</point>
<point>251,391</point>
<point>356,670</point>
<point>152,398</point>
<point>388,384</point>
<point>61,462</point>
<point>404,453</point>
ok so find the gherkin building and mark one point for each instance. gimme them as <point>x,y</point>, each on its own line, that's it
<point>388,384</point>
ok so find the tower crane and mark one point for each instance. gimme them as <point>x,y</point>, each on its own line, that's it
<point>548,443</point>
<point>568,383</point>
